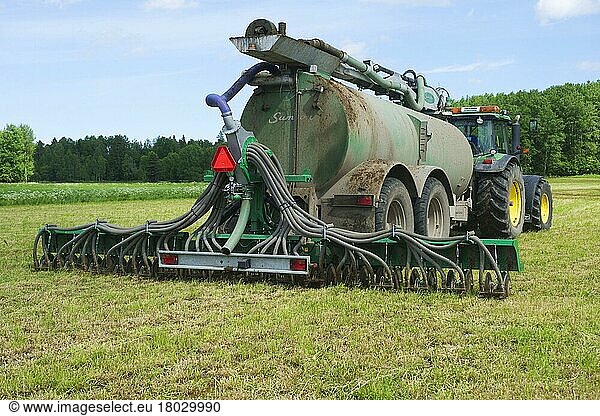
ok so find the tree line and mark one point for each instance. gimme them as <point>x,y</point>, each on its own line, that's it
<point>566,142</point>
<point>567,139</point>
<point>119,159</point>
<point>16,153</point>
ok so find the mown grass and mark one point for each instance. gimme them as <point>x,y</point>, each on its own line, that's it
<point>67,193</point>
<point>77,335</point>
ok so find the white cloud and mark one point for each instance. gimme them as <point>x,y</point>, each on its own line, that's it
<point>475,66</point>
<point>549,10</point>
<point>589,65</point>
<point>169,4</point>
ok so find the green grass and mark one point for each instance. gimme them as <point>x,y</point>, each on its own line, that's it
<point>78,335</point>
<point>67,193</point>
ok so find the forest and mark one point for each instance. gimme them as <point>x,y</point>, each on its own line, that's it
<point>567,139</point>
<point>119,159</point>
<point>566,142</point>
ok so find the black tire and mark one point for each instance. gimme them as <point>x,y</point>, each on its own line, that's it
<point>432,210</point>
<point>492,203</point>
<point>395,206</point>
<point>541,207</point>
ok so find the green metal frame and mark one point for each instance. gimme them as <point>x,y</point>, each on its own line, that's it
<point>466,254</point>
<point>304,177</point>
<point>505,252</point>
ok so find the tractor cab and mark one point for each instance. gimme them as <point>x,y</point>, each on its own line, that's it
<point>487,129</point>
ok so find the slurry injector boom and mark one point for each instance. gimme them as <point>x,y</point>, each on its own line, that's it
<point>319,183</point>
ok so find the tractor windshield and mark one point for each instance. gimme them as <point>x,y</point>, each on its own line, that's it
<point>480,135</point>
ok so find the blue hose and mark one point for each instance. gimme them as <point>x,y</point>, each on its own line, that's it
<point>216,100</point>
<point>247,77</point>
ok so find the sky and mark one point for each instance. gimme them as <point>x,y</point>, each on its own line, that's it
<point>142,68</point>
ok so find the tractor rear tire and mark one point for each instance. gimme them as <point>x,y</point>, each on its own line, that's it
<point>395,206</point>
<point>500,203</point>
<point>432,210</point>
<point>541,207</point>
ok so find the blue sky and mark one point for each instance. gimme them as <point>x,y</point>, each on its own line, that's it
<point>142,68</point>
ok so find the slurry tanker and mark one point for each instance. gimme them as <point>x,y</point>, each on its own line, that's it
<point>338,171</point>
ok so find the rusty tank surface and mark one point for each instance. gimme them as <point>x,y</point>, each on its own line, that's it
<point>323,127</point>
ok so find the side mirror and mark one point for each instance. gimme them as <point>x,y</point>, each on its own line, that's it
<point>533,124</point>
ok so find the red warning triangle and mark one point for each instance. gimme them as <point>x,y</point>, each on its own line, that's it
<point>223,161</point>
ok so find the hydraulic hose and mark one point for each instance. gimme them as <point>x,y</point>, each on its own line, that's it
<point>240,226</point>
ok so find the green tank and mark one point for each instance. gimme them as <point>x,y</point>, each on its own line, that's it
<point>376,158</point>
<point>320,126</point>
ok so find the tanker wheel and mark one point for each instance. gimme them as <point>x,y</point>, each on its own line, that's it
<point>395,206</point>
<point>500,202</point>
<point>541,207</point>
<point>432,210</point>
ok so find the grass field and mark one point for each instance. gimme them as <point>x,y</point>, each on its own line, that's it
<point>76,335</point>
<point>67,193</point>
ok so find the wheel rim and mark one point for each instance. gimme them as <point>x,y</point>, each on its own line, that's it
<point>544,208</point>
<point>396,215</point>
<point>435,218</point>
<point>515,203</point>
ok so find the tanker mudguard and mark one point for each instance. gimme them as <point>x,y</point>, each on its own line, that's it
<point>364,179</point>
<point>367,179</point>
<point>496,166</point>
<point>531,182</point>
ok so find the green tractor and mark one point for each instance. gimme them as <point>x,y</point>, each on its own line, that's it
<point>504,201</point>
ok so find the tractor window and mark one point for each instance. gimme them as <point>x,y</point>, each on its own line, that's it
<point>485,136</point>
<point>502,136</point>
<point>480,136</point>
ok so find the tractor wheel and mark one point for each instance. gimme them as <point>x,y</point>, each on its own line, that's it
<point>432,210</point>
<point>395,207</point>
<point>500,203</point>
<point>541,207</point>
